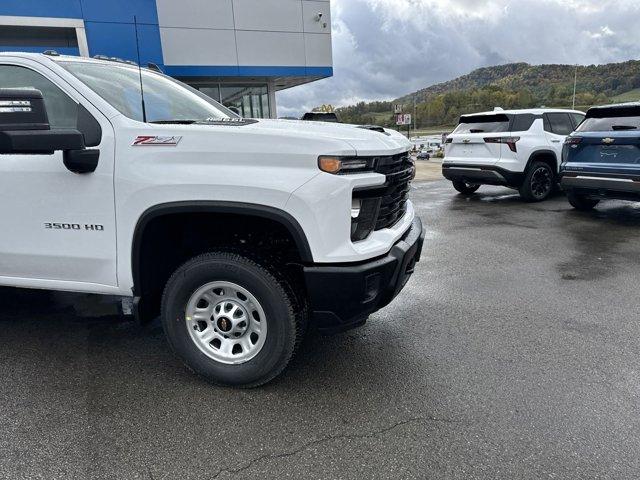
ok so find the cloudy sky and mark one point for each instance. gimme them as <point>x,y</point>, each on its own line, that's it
<point>383,49</point>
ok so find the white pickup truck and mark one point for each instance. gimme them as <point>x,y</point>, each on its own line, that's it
<point>239,233</point>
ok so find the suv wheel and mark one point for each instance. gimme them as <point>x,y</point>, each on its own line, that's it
<point>231,319</point>
<point>465,187</point>
<point>581,202</point>
<point>538,183</point>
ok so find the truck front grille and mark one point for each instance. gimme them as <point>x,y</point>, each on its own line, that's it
<point>399,170</point>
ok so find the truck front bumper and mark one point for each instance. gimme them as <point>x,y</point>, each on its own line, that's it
<point>342,296</point>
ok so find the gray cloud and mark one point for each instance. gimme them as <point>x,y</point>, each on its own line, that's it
<point>386,48</point>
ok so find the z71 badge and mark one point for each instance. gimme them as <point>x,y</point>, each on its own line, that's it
<point>150,140</point>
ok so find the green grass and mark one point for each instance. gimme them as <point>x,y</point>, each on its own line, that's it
<point>422,132</point>
<point>381,117</point>
<point>426,132</point>
<point>631,96</point>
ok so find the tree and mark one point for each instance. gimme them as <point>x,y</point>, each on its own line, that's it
<point>525,99</point>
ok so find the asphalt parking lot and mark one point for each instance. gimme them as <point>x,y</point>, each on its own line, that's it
<point>513,353</point>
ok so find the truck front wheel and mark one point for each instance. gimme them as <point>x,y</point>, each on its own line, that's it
<point>231,319</point>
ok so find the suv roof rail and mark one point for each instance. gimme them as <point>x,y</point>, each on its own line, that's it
<point>51,53</point>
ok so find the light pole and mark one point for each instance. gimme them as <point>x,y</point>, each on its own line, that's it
<point>415,116</point>
<point>575,84</point>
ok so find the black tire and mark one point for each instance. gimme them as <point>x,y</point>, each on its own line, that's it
<point>465,188</point>
<point>283,310</point>
<point>539,182</point>
<point>581,202</point>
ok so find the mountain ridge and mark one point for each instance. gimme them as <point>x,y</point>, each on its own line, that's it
<point>512,85</point>
<point>522,74</point>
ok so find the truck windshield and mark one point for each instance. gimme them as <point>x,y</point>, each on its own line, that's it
<point>166,100</point>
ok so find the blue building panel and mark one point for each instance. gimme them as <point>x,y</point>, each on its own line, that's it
<point>41,8</point>
<point>244,71</point>
<point>119,40</point>
<point>120,11</point>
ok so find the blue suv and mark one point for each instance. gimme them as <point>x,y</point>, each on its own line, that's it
<point>601,159</point>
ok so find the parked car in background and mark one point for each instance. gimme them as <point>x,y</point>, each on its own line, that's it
<point>520,149</point>
<point>330,117</point>
<point>434,146</point>
<point>429,144</point>
<point>601,159</point>
<point>424,155</point>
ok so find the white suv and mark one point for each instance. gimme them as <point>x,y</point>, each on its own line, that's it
<point>516,148</point>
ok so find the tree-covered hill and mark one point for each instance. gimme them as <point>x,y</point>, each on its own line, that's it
<point>516,85</point>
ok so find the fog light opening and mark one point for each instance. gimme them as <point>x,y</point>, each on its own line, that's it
<point>364,213</point>
<point>356,205</point>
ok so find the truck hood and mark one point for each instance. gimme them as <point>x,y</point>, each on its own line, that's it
<point>363,140</point>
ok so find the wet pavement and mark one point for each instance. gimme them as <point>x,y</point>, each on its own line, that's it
<point>513,353</point>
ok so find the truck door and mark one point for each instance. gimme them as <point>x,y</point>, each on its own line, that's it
<point>58,227</point>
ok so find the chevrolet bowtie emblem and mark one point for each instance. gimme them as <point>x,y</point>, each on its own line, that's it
<point>608,141</point>
<point>466,140</point>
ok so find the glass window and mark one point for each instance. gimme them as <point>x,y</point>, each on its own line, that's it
<point>166,99</point>
<point>61,109</point>
<point>523,122</point>
<point>28,36</point>
<point>611,119</point>
<point>483,124</point>
<point>251,100</point>
<point>577,118</point>
<point>558,123</point>
<point>265,105</point>
<point>213,92</point>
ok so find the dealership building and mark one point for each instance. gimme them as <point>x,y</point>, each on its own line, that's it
<point>240,52</point>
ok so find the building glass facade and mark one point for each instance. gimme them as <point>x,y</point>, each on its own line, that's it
<point>249,100</point>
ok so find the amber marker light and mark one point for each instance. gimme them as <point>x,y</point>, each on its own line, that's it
<point>330,164</point>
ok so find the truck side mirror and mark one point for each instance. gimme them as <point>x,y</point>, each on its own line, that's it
<point>25,129</point>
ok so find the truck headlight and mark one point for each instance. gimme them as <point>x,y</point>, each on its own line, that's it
<point>344,165</point>
<point>364,214</point>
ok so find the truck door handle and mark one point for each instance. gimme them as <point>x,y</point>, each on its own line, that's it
<point>555,141</point>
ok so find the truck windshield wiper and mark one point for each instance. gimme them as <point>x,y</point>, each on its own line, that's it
<point>476,130</point>
<point>190,122</point>
<point>623,127</point>
<point>174,122</point>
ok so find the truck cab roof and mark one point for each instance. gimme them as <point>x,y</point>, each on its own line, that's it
<point>55,57</point>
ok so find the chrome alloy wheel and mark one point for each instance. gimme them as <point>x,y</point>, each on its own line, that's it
<point>226,322</point>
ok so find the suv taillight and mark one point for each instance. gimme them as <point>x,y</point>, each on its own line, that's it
<point>510,141</point>
<point>572,140</point>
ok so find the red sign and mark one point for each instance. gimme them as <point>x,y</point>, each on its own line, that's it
<point>403,119</point>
